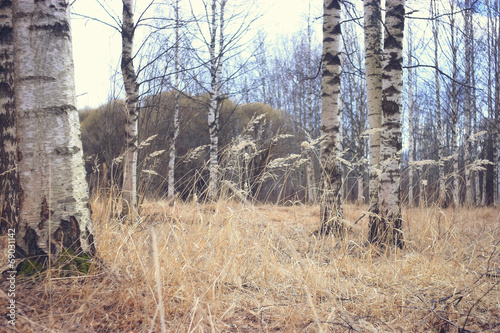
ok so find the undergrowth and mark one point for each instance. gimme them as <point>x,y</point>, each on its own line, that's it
<point>235,267</point>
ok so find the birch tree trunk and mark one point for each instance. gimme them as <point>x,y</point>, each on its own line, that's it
<point>54,209</point>
<point>129,188</point>
<point>311,193</point>
<point>439,126</point>
<point>496,129</point>
<point>454,110</point>
<point>175,133</point>
<point>411,147</point>
<point>389,227</point>
<point>468,104</point>
<point>373,63</point>
<point>216,62</point>
<point>331,199</point>
<point>9,176</point>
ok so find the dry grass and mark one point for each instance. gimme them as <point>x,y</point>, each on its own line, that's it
<point>230,267</point>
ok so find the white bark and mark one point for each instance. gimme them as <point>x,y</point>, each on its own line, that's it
<point>468,104</point>
<point>175,134</point>
<point>373,62</point>
<point>411,150</point>
<point>129,188</point>
<point>454,110</point>
<point>311,192</point>
<point>216,62</point>
<point>389,231</point>
<point>9,176</point>
<point>439,127</point>
<point>54,210</point>
<point>331,200</point>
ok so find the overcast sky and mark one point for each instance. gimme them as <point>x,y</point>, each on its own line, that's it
<point>97,47</point>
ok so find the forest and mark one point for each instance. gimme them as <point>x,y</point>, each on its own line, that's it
<point>343,178</point>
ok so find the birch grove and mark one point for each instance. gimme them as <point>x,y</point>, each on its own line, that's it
<point>54,208</point>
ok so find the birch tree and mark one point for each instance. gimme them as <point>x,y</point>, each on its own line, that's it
<point>175,131</point>
<point>373,62</point>
<point>129,187</point>
<point>216,62</point>
<point>411,146</point>
<point>330,149</point>
<point>388,228</point>
<point>54,208</point>
<point>454,108</point>
<point>311,184</point>
<point>9,181</point>
<point>468,102</point>
<point>439,126</point>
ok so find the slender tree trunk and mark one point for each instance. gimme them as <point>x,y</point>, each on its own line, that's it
<point>389,229</point>
<point>54,207</point>
<point>454,111</point>
<point>311,193</point>
<point>216,62</point>
<point>496,129</point>
<point>441,197</point>
<point>9,176</point>
<point>331,199</point>
<point>311,184</point>
<point>411,147</point>
<point>468,105</point>
<point>129,188</point>
<point>373,62</point>
<point>175,133</point>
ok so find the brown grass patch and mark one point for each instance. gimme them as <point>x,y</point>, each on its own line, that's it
<point>230,267</point>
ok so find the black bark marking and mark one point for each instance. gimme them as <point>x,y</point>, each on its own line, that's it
<point>334,4</point>
<point>58,29</point>
<point>44,214</point>
<point>31,240</point>
<point>331,59</point>
<point>390,108</point>
<point>6,35</point>
<point>68,235</point>
<point>391,43</point>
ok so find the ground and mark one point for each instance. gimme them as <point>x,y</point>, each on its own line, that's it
<point>233,267</point>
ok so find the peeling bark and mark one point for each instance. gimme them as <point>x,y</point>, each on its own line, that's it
<point>54,207</point>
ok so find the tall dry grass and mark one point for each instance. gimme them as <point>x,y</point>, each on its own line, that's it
<point>233,267</point>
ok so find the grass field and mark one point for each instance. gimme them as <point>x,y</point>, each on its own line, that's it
<point>230,267</point>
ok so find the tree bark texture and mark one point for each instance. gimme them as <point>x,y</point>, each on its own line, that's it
<point>216,61</point>
<point>373,62</point>
<point>129,187</point>
<point>331,198</point>
<point>388,229</point>
<point>54,206</point>
<point>9,176</point>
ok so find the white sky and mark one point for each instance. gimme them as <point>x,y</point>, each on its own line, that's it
<point>97,47</point>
